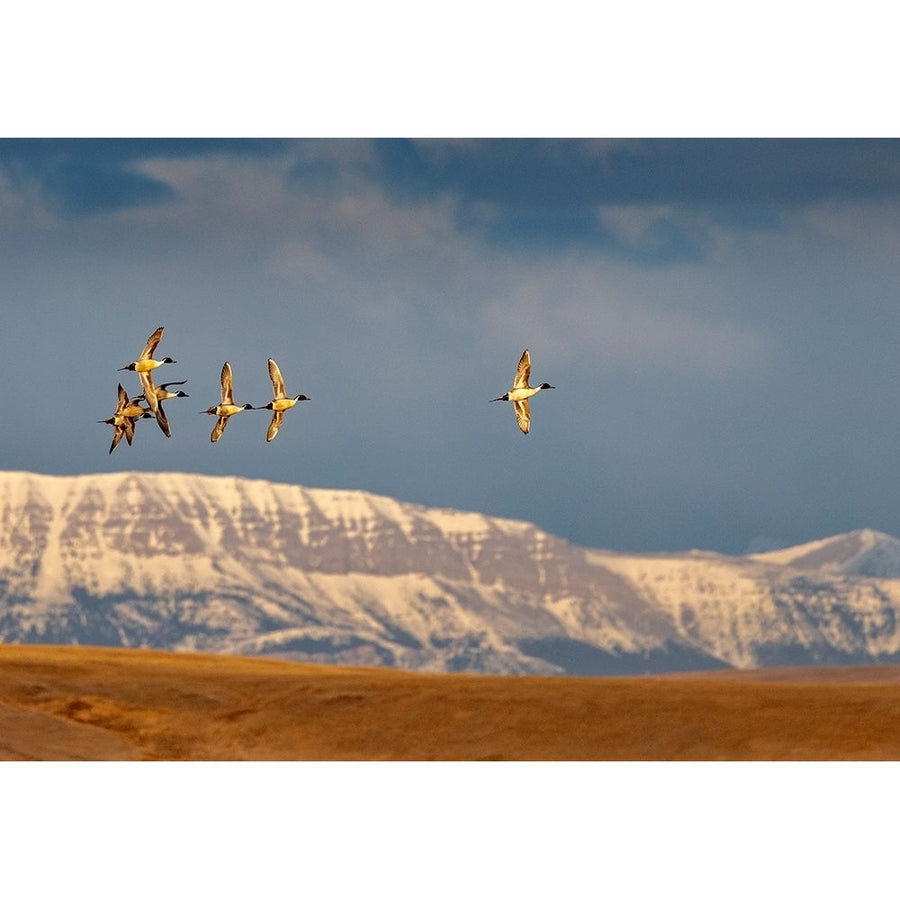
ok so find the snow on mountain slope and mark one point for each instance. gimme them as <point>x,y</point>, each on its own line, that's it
<point>863,552</point>
<point>195,562</point>
<point>712,601</point>
<point>235,565</point>
<point>751,611</point>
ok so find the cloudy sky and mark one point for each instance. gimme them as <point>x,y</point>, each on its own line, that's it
<point>720,319</point>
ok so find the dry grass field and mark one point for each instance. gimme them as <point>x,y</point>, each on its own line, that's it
<point>69,703</point>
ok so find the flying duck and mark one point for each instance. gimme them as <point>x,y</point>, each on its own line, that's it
<point>145,364</point>
<point>162,392</point>
<point>280,400</point>
<point>227,407</point>
<point>521,391</point>
<point>127,412</point>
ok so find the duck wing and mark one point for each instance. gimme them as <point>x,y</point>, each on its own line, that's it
<point>523,372</point>
<point>227,385</point>
<point>163,421</point>
<point>128,427</point>
<point>152,343</point>
<point>118,431</point>
<point>275,424</point>
<point>122,402</point>
<point>218,428</point>
<point>523,415</point>
<point>149,390</point>
<point>277,380</point>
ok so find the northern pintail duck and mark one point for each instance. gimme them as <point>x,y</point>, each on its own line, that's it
<point>521,391</point>
<point>162,392</point>
<point>227,407</point>
<point>145,364</point>
<point>127,412</point>
<point>280,400</point>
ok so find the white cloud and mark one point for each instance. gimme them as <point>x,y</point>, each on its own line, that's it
<point>363,249</point>
<point>301,261</point>
<point>217,194</point>
<point>630,222</point>
<point>358,243</point>
<point>870,229</point>
<point>22,206</point>
<point>623,319</point>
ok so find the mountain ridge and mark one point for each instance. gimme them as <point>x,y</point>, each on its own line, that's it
<point>863,551</point>
<point>222,563</point>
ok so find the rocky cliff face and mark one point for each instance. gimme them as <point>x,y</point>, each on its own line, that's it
<point>186,562</point>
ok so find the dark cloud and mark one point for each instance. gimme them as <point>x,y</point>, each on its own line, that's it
<point>750,173</point>
<point>530,195</point>
<point>544,232</point>
<point>82,177</point>
<point>319,175</point>
<point>565,173</point>
<point>540,195</point>
<point>545,184</point>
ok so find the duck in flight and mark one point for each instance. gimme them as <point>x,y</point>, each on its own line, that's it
<point>227,407</point>
<point>122,421</point>
<point>162,392</point>
<point>144,366</point>
<point>521,391</point>
<point>280,400</point>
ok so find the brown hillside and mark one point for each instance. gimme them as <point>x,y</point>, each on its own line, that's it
<point>102,704</point>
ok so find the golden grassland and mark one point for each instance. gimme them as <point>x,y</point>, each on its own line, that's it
<point>70,703</point>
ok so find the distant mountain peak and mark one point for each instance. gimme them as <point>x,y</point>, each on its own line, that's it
<point>860,552</point>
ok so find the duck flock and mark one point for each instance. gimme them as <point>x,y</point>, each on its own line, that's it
<point>130,409</point>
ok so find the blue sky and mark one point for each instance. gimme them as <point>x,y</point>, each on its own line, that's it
<point>720,319</point>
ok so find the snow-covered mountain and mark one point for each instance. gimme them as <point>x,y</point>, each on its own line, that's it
<point>234,565</point>
<point>862,552</point>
